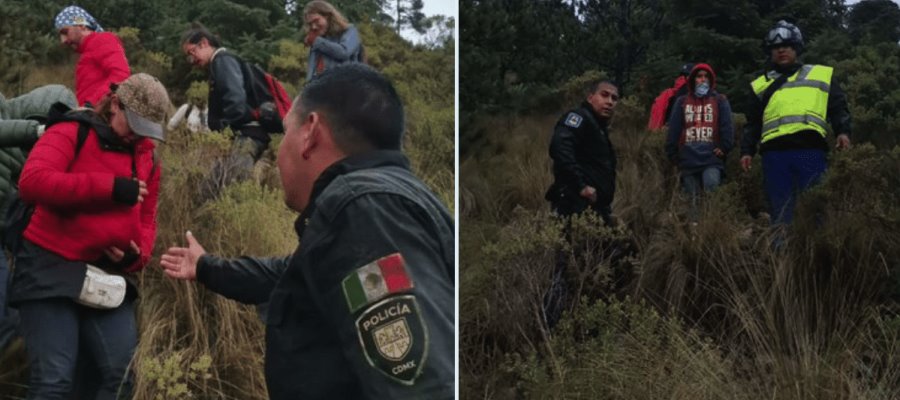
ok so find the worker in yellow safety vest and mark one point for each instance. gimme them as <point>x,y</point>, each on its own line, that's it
<point>789,119</point>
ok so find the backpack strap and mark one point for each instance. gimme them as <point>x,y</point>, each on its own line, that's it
<point>154,167</point>
<point>770,91</point>
<point>84,129</point>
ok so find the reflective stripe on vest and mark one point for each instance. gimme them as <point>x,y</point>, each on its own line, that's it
<point>800,104</point>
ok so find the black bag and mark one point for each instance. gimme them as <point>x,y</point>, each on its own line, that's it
<point>266,96</point>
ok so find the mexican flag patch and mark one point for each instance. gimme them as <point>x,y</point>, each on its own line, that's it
<point>375,280</point>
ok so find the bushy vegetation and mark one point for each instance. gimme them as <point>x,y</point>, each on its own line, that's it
<point>194,343</point>
<point>660,307</point>
<point>664,309</point>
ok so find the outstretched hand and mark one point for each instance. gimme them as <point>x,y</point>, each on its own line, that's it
<point>181,262</point>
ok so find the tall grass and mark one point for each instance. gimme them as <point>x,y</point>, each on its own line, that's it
<point>666,309</point>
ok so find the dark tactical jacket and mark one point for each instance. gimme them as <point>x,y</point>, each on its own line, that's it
<point>228,99</point>
<point>582,156</point>
<point>364,210</point>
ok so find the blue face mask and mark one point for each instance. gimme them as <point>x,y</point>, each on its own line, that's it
<point>702,89</point>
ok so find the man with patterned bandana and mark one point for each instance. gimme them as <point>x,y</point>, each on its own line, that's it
<point>789,120</point>
<point>102,59</point>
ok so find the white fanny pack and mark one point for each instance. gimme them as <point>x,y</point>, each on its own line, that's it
<point>101,290</point>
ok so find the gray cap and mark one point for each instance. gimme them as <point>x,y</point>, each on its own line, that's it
<point>146,104</point>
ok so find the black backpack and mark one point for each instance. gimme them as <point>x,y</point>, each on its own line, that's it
<point>268,99</point>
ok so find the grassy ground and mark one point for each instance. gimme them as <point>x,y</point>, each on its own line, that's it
<point>664,309</point>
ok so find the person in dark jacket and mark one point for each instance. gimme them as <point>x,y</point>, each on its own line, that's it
<point>22,122</point>
<point>330,38</point>
<point>584,171</point>
<point>787,120</point>
<point>701,133</point>
<point>94,200</point>
<point>364,308</point>
<point>228,98</point>
<point>228,107</point>
<point>584,162</point>
<point>102,60</point>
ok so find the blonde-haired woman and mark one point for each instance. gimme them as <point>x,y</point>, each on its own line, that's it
<point>330,38</point>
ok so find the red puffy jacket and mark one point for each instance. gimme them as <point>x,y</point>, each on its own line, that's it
<point>658,115</point>
<point>75,215</point>
<point>102,62</point>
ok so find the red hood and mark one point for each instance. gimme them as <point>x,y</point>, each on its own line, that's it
<point>697,68</point>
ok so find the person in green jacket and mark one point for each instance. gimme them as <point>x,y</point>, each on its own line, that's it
<point>21,124</point>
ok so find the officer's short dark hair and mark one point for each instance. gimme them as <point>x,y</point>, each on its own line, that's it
<point>199,32</point>
<point>361,107</point>
<point>592,86</point>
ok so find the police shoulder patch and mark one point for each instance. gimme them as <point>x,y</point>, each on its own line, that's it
<point>573,120</point>
<point>394,338</point>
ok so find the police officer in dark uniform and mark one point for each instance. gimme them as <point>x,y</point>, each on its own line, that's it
<point>584,171</point>
<point>364,308</point>
<point>584,162</point>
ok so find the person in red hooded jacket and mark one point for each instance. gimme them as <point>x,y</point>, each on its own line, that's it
<point>94,182</point>
<point>701,133</point>
<point>102,59</point>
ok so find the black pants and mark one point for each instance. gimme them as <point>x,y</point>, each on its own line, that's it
<point>557,295</point>
<point>236,167</point>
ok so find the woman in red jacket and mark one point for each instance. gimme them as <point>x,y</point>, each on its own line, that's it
<point>94,182</point>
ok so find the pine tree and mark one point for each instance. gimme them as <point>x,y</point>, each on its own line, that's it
<point>408,14</point>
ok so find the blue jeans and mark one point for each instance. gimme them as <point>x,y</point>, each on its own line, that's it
<point>56,329</point>
<point>707,179</point>
<point>710,178</point>
<point>787,173</point>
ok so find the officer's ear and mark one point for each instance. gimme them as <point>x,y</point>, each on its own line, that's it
<point>318,133</point>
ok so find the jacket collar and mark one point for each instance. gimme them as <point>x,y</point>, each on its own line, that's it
<point>374,159</point>
<point>215,53</point>
<point>603,122</point>
<point>108,140</point>
<point>84,41</point>
<point>778,70</point>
